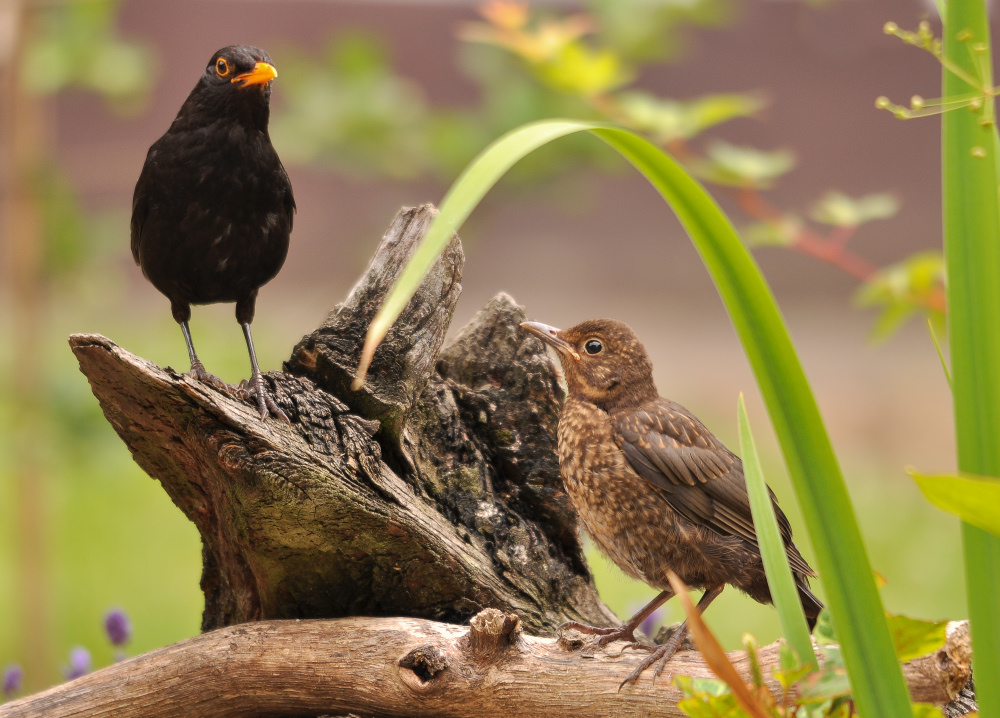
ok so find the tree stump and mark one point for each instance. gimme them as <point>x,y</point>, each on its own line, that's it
<point>433,492</point>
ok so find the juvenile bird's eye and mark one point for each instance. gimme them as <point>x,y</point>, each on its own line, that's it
<point>593,346</point>
<point>222,67</point>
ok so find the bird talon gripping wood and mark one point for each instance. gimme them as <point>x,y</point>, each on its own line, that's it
<point>654,488</point>
<point>212,210</point>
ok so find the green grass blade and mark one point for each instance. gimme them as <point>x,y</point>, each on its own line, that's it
<point>970,182</point>
<point>464,195</point>
<point>937,346</point>
<point>974,499</point>
<point>879,689</point>
<point>772,549</point>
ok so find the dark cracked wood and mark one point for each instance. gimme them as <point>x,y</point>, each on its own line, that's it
<point>433,493</point>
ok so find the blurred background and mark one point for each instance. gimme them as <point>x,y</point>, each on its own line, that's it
<point>380,104</point>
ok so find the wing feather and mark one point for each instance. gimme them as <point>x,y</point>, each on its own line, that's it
<point>694,472</point>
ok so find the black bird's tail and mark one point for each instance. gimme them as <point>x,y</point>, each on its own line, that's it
<point>810,604</point>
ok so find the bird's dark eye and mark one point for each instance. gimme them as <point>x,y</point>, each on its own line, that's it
<point>593,346</point>
<point>222,67</point>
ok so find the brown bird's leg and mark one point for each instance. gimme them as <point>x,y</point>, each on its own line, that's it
<point>256,387</point>
<point>182,313</point>
<point>626,631</point>
<point>664,653</point>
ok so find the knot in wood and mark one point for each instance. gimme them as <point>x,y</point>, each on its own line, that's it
<point>954,659</point>
<point>491,632</point>
<point>419,667</point>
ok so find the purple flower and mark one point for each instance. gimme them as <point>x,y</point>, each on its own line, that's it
<point>651,623</point>
<point>79,663</point>
<point>118,627</point>
<point>13,677</point>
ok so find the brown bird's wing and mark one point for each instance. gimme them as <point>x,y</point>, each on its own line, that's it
<point>694,472</point>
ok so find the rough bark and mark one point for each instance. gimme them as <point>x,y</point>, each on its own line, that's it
<point>408,667</point>
<point>433,492</point>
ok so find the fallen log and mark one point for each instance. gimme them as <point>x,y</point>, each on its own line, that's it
<point>410,667</point>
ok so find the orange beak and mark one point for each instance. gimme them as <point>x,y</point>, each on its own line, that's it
<point>261,73</point>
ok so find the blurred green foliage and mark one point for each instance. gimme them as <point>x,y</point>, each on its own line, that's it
<point>77,46</point>
<point>904,288</point>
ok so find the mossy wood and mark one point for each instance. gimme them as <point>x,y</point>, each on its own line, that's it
<point>433,492</point>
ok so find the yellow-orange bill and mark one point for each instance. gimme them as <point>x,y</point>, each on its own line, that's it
<point>262,72</point>
<point>713,653</point>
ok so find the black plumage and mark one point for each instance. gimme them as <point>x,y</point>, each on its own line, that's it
<point>212,210</point>
<point>655,489</point>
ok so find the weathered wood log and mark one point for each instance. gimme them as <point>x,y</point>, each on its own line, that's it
<point>409,667</point>
<point>433,492</point>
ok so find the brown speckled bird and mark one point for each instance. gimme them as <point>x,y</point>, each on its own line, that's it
<point>655,489</point>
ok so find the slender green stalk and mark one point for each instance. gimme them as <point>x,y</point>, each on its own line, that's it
<point>772,548</point>
<point>972,252</point>
<point>877,681</point>
<point>937,346</point>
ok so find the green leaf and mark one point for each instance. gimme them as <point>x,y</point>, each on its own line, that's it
<point>914,638</point>
<point>842,211</point>
<point>902,289</point>
<point>974,499</point>
<point>926,710</point>
<point>691,686</point>
<point>671,120</point>
<point>879,689</point>
<point>772,548</point>
<point>823,631</point>
<point>970,149</point>
<point>705,706</point>
<point>744,166</point>
<point>831,683</point>
<point>579,70</point>
<point>780,233</point>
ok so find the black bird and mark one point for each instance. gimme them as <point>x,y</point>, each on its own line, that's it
<point>212,210</point>
<point>655,489</point>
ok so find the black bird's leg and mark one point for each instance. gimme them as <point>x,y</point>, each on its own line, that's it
<point>256,386</point>
<point>626,631</point>
<point>664,653</point>
<point>182,313</point>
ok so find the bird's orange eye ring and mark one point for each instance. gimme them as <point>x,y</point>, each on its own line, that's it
<point>221,67</point>
<point>593,346</point>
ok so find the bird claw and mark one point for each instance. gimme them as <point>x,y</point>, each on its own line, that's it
<point>199,373</point>
<point>607,635</point>
<point>636,646</point>
<point>659,655</point>
<point>255,389</point>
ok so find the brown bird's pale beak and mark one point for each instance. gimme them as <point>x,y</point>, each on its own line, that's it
<point>262,72</point>
<point>550,335</point>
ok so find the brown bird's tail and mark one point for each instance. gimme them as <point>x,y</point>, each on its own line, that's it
<point>810,604</point>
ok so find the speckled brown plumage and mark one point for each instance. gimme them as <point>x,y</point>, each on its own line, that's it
<point>655,489</point>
